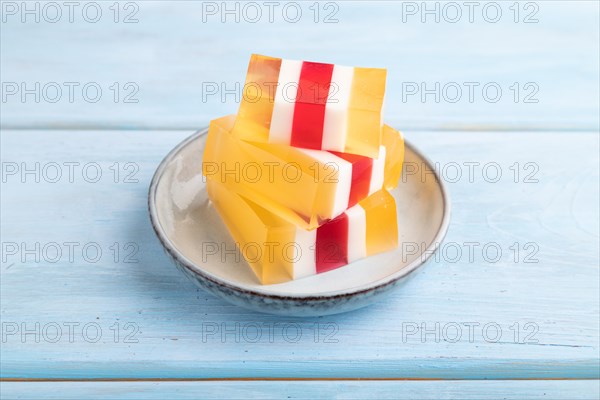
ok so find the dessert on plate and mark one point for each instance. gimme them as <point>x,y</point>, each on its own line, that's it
<point>300,176</point>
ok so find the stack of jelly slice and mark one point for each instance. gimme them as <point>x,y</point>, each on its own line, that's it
<point>302,183</point>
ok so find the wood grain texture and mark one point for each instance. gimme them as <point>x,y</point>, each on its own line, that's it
<point>554,301</point>
<point>174,59</point>
<point>463,390</point>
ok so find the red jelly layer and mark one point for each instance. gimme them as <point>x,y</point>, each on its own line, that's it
<point>362,170</point>
<point>332,244</point>
<point>309,110</point>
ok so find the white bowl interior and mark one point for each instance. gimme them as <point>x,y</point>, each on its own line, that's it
<point>192,226</point>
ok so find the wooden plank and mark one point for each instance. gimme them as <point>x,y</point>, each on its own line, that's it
<point>181,63</point>
<point>417,390</point>
<point>547,291</point>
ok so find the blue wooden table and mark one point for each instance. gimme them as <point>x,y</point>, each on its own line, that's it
<point>91,307</point>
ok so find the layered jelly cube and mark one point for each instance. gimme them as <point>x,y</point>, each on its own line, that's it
<point>300,176</point>
<point>303,186</point>
<point>312,105</point>
<point>279,251</point>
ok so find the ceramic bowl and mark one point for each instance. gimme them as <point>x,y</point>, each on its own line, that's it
<point>184,220</point>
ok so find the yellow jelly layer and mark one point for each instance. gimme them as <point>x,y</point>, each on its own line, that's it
<point>255,232</point>
<point>364,116</point>
<point>284,179</point>
<point>382,225</point>
<point>393,141</point>
<point>258,98</point>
